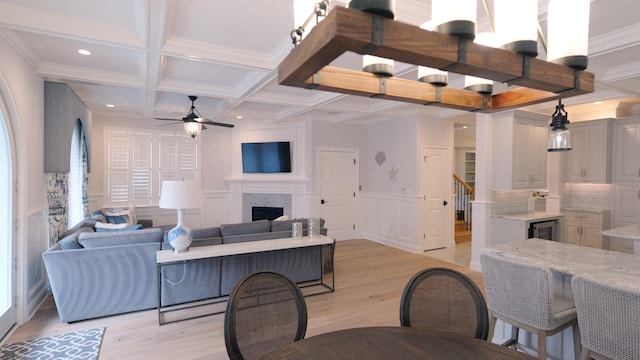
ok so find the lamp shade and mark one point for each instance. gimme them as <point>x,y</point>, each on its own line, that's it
<point>377,65</point>
<point>180,195</point>
<point>516,25</point>
<point>455,17</point>
<point>568,33</point>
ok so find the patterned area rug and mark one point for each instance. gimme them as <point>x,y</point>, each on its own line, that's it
<point>83,344</point>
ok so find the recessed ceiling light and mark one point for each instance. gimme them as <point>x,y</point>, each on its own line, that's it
<point>110,105</point>
<point>464,127</point>
<point>597,102</point>
<point>238,116</point>
<point>84,52</point>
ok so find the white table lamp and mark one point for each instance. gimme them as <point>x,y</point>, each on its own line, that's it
<point>180,195</point>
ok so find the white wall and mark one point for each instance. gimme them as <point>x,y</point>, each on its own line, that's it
<point>22,90</point>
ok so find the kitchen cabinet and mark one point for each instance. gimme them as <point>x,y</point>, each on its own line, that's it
<point>584,228</point>
<point>520,150</point>
<point>627,212</point>
<point>626,157</point>
<point>591,156</point>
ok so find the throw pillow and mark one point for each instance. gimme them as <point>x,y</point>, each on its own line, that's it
<point>119,215</point>
<point>111,226</point>
<point>281,218</point>
<point>126,228</point>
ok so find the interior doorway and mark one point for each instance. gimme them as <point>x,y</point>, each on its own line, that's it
<point>436,189</point>
<point>337,190</point>
<point>8,314</point>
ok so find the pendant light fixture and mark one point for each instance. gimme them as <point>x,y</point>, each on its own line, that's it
<point>386,8</point>
<point>477,84</point>
<point>455,17</point>
<point>377,65</point>
<point>559,136</point>
<point>516,25</point>
<point>568,33</point>
<point>192,128</point>
<point>431,75</point>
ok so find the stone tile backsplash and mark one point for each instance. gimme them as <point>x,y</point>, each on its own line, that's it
<point>511,202</point>
<point>589,196</point>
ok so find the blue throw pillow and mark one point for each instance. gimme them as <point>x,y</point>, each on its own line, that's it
<point>128,228</point>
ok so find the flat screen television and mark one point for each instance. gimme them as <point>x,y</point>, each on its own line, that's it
<point>266,157</point>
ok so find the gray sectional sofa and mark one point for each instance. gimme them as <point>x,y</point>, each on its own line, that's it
<point>95,274</point>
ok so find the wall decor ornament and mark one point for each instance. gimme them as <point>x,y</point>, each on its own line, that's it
<point>380,157</point>
<point>393,172</point>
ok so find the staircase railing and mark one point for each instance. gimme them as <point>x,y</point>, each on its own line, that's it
<point>465,194</point>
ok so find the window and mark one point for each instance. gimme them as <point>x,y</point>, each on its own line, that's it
<point>76,176</point>
<point>138,161</point>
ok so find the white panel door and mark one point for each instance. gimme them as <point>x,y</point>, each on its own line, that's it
<point>436,187</point>
<point>337,191</point>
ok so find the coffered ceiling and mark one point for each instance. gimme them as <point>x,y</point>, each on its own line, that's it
<point>147,56</point>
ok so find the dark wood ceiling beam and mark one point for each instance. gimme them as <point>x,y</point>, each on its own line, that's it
<point>356,31</point>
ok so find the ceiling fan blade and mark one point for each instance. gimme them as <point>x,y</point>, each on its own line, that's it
<point>173,123</point>
<point>166,119</point>
<point>217,124</point>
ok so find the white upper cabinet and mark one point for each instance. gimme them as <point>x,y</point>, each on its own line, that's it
<point>520,150</point>
<point>589,160</point>
<point>626,157</point>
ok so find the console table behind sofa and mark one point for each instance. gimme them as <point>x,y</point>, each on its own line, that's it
<point>308,261</point>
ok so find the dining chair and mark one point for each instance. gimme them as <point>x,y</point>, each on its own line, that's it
<point>265,311</point>
<point>444,299</point>
<point>521,294</point>
<point>609,315</point>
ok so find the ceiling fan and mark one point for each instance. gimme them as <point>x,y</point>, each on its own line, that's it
<point>194,122</point>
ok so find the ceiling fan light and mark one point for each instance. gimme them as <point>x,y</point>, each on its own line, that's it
<point>455,17</point>
<point>192,128</point>
<point>568,33</point>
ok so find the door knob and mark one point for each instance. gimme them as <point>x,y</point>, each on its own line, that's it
<point>444,203</point>
<point>322,201</point>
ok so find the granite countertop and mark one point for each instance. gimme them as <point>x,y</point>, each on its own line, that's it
<point>530,216</point>
<point>627,232</point>
<point>569,259</point>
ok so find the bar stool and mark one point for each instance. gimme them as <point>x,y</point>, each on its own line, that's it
<point>521,294</point>
<point>608,308</point>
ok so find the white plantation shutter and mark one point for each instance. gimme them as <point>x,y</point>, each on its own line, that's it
<point>139,160</point>
<point>75,206</point>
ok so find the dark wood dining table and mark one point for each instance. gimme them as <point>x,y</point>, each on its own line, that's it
<point>393,343</point>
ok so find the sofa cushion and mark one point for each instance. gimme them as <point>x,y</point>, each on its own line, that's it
<point>260,226</point>
<point>119,215</point>
<point>105,239</point>
<point>70,241</point>
<point>208,232</point>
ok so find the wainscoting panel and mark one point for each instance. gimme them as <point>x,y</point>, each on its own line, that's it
<point>391,219</point>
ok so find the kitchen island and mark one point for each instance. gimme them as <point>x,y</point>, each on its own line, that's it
<point>566,260</point>
<point>627,232</point>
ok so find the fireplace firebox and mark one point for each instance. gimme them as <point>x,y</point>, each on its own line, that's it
<point>266,212</point>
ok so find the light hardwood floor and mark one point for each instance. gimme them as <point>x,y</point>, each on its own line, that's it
<point>369,281</point>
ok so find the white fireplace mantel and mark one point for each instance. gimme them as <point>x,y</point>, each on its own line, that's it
<point>296,187</point>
